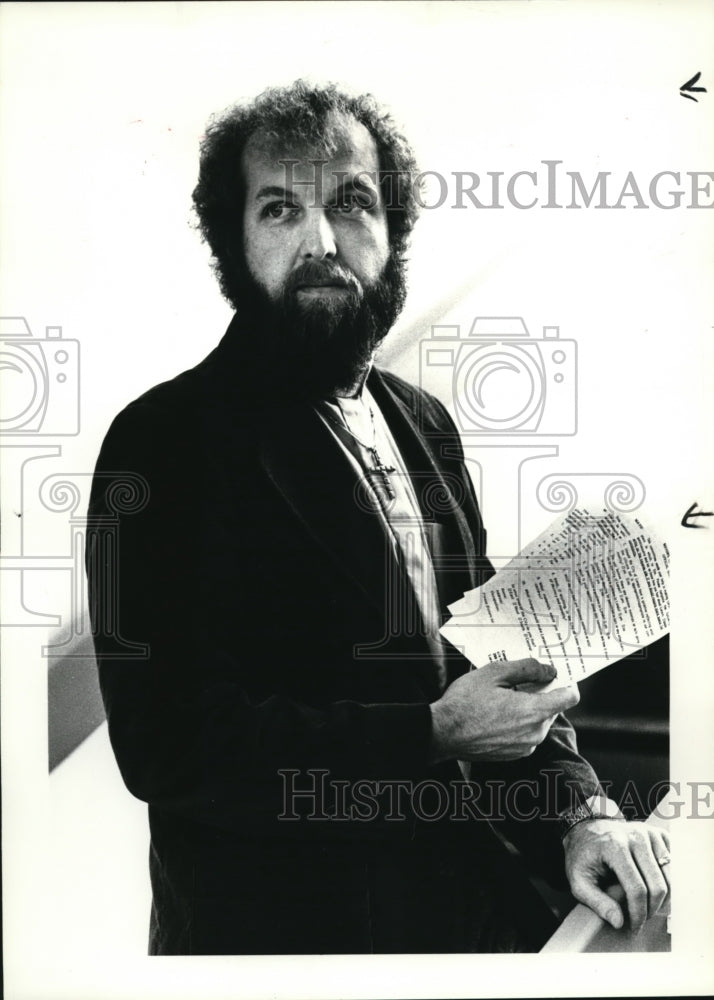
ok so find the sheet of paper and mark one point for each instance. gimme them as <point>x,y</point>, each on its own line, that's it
<point>590,590</point>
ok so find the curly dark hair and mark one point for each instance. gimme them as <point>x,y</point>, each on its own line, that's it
<point>299,115</point>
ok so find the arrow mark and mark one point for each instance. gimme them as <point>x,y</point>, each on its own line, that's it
<point>688,89</point>
<point>695,513</point>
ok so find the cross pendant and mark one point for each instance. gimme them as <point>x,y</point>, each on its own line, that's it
<point>383,471</point>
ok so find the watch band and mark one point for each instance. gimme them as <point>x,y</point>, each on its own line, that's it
<point>596,807</point>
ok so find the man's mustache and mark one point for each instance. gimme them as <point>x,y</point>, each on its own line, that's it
<point>314,274</point>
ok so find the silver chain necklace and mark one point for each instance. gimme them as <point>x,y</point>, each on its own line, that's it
<point>380,472</point>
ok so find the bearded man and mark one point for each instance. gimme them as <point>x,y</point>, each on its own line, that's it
<point>266,624</point>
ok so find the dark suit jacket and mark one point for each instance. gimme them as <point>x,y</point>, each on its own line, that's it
<point>241,607</point>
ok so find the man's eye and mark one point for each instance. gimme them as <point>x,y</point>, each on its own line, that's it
<point>350,203</point>
<point>278,210</point>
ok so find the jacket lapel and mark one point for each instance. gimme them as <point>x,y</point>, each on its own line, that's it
<point>440,498</point>
<point>310,470</point>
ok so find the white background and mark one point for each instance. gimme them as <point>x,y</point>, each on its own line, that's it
<point>102,107</point>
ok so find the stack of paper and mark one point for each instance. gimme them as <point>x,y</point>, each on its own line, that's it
<point>590,590</point>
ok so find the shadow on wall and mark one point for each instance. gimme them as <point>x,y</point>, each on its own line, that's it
<point>74,701</point>
<point>622,723</point>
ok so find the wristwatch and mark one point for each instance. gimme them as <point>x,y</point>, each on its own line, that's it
<point>596,807</point>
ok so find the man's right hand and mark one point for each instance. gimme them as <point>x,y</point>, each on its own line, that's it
<point>481,717</point>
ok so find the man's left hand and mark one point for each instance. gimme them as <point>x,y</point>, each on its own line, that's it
<point>601,851</point>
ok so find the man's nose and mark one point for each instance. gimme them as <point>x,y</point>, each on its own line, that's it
<point>319,239</point>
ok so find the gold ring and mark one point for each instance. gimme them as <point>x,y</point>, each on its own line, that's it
<point>664,860</point>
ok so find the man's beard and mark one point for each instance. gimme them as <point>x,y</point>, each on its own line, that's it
<point>321,346</point>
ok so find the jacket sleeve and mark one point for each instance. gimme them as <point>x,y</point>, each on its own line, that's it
<point>526,797</point>
<point>186,734</point>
